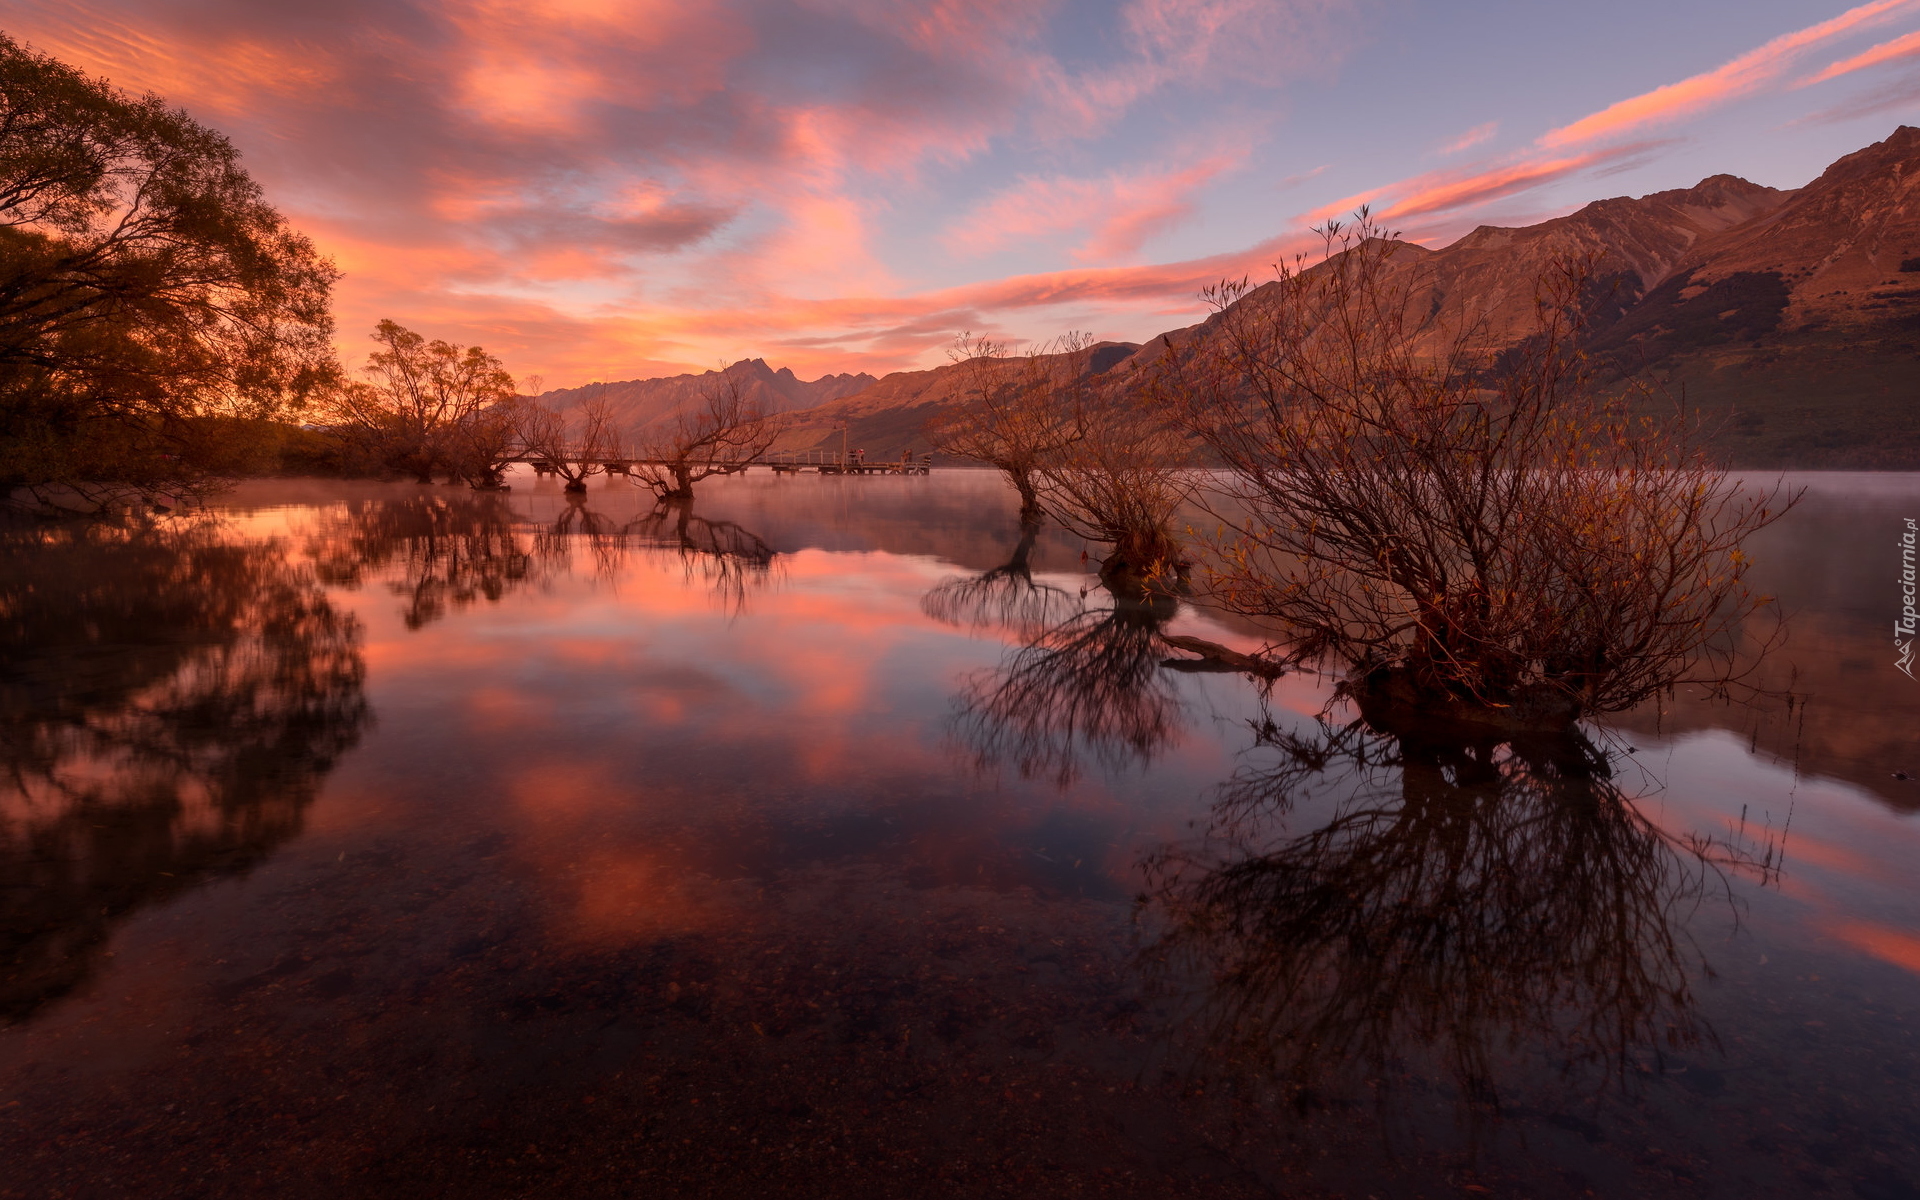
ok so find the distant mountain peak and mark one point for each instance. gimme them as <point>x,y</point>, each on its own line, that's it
<point>638,403</point>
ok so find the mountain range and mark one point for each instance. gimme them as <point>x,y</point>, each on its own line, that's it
<point>1789,319</point>
<point>639,403</point>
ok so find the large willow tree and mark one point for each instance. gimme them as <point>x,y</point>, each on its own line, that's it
<point>154,308</point>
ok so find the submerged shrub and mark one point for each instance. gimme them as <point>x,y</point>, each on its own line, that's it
<point>1458,525</point>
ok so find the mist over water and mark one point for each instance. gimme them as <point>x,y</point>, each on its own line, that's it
<point>833,837</point>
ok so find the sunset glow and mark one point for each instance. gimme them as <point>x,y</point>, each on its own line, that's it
<point>616,189</point>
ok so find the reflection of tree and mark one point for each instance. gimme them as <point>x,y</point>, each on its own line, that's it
<point>604,538</point>
<point>1089,685</point>
<point>169,702</point>
<point>446,552</point>
<point>1007,597</point>
<point>442,553</point>
<point>1467,897</point>
<point>730,558</point>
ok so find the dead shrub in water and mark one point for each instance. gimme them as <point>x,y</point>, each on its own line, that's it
<point>1458,527</point>
<point>1011,419</point>
<point>1120,481</point>
<point>723,436</point>
<point>1092,454</point>
<point>575,446</point>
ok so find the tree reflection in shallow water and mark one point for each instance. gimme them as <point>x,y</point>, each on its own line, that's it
<point>169,701</point>
<point>1006,597</point>
<point>1085,686</point>
<point>441,553</point>
<point>731,559</point>
<point>1471,897</point>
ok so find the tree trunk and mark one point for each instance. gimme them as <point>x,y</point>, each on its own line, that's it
<point>1030,510</point>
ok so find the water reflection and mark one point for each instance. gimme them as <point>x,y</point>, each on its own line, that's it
<point>170,700</point>
<point>442,553</point>
<point>1088,687</point>
<point>729,558</point>
<point>1469,897</point>
<point>1004,597</point>
<point>614,850</point>
<point>1856,712</point>
<point>439,553</point>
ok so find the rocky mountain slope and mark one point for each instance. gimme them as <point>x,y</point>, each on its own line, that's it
<point>890,418</point>
<point>638,403</point>
<point>1799,328</point>
<point>1789,319</point>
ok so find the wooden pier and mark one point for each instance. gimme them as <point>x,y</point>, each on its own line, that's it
<point>820,462</point>
<point>826,462</point>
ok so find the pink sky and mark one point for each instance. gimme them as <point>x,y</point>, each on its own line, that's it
<point>612,189</point>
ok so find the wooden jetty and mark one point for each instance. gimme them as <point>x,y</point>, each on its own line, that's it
<point>821,462</point>
<point>825,462</point>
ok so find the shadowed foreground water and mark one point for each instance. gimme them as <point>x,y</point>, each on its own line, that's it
<point>831,837</point>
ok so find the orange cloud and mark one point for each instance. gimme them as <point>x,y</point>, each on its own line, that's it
<point>1739,77</point>
<point>624,188</point>
<point>1472,137</point>
<point>227,74</point>
<point>1886,52</point>
<point>1444,191</point>
<point>1119,212</point>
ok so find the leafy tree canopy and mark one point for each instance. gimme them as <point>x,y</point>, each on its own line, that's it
<point>153,306</point>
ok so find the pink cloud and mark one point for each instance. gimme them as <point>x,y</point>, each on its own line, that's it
<point>1446,191</point>
<point>1739,77</point>
<point>1471,138</point>
<point>1198,44</point>
<point>1903,96</point>
<point>1894,51</point>
<point>596,187</point>
<point>616,188</point>
<point>1117,212</point>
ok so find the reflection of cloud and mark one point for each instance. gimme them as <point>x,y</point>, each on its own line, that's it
<point>1895,946</point>
<point>1741,76</point>
<point>631,891</point>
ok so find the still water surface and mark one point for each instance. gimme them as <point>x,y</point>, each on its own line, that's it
<point>828,838</point>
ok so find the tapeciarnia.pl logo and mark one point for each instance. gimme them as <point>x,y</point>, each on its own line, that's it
<point>1903,629</point>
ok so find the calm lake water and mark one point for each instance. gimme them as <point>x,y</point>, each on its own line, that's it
<point>824,839</point>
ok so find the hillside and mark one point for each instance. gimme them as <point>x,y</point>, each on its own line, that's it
<point>639,403</point>
<point>889,418</point>
<point>1789,319</point>
<point>1800,328</point>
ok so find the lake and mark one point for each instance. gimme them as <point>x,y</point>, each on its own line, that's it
<point>829,838</point>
